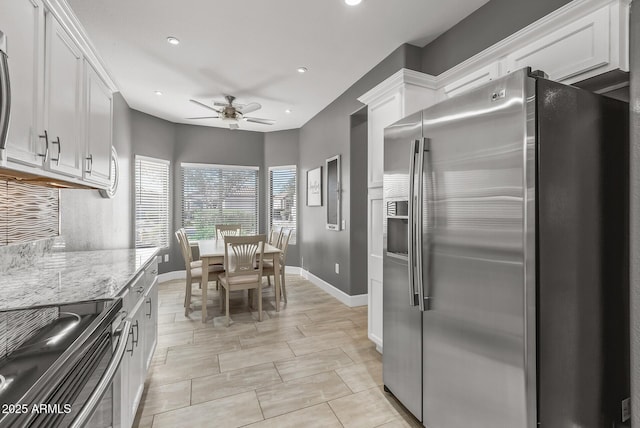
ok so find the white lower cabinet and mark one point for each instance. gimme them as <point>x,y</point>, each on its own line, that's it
<point>142,299</point>
<point>151,323</point>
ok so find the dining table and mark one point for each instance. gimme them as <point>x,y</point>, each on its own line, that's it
<point>212,252</point>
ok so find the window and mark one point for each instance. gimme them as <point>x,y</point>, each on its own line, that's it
<point>283,198</point>
<point>152,202</point>
<point>218,194</point>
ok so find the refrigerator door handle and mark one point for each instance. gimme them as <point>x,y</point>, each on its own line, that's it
<point>412,227</point>
<point>419,221</point>
<point>425,200</point>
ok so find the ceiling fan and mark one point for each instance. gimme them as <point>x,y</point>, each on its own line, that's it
<point>232,113</point>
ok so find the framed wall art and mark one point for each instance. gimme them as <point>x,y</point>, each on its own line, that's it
<point>314,187</point>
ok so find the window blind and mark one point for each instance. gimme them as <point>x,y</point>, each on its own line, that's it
<point>152,202</point>
<point>218,194</point>
<point>283,197</point>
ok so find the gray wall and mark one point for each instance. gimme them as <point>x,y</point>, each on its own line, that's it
<point>358,231</point>
<point>155,138</point>
<point>486,26</point>
<point>90,222</point>
<point>281,148</point>
<point>635,211</point>
<point>325,135</point>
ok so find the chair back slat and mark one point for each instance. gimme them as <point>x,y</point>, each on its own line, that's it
<point>243,255</point>
<point>284,244</point>
<point>185,249</point>
<point>275,236</point>
<point>223,230</point>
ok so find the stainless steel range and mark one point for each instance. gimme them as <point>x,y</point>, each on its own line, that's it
<point>64,374</point>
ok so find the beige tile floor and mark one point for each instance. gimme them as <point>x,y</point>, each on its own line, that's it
<point>309,365</point>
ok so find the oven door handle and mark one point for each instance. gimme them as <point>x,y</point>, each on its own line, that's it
<point>107,378</point>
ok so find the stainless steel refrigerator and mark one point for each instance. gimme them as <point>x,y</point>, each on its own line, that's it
<point>506,258</point>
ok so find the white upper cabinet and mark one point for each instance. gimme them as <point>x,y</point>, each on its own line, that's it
<point>98,127</point>
<point>575,49</point>
<point>476,78</point>
<point>401,94</point>
<point>61,110</point>
<point>63,96</point>
<point>582,39</point>
<point>22,21</point>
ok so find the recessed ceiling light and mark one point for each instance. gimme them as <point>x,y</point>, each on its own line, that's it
<point>158,93</point>
<point>352,2</point>
<point>173,41</point>
<point>288,111</point>
<point>302,69</point>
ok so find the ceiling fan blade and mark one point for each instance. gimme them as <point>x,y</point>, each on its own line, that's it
<point>233,126</point>
<point>258,120</point>
<point>248,108</point>
<point>204,105</point>
<point>219,104</point>
<point>203,117</point>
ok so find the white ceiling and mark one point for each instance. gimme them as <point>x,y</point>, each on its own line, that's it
<point>251,49</point>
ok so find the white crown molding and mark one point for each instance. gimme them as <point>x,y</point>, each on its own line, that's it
<point>394,82</point>
<point>70,22</point>
<point>351,301</point>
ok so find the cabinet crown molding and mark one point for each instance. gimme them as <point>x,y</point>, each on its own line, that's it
<point>396,81</point>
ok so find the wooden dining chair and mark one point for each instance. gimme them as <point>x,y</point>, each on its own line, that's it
<point>193,269</point>
<point>268,269</point>
<point>275,236</point>
<point>243,268</point>
<point>223,230</point>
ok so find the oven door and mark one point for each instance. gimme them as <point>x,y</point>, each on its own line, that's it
<point>97,406</point>
<point>78,389</point>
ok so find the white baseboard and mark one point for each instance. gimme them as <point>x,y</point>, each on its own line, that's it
<point>170,276</point>
<point>351,301</point>
<point>294,270</point>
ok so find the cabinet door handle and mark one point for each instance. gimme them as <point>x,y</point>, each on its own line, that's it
<point>90,159</point>
<point>46,146</point>
<point>150,307</point>
<point>136,335</point>
<point>130,351</point>
<point>59,150</point>
<point>140,290</point>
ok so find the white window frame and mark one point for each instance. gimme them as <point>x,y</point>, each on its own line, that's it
<point>135,204</point>
<point>294,235</point>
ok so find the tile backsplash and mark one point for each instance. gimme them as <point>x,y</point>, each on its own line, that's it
<point>27,212</point>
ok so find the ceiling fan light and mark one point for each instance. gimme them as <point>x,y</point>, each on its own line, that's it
<point>173,41</point>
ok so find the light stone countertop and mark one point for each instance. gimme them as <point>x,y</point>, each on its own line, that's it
<point>70,277</point>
